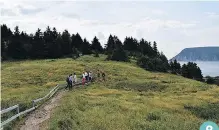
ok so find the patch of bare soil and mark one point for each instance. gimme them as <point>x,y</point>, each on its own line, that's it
<point>42,113</point>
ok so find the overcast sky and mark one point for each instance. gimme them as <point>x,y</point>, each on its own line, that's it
<point>173,25</point>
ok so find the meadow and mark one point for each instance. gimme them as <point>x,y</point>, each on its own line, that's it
<point>130,98</point>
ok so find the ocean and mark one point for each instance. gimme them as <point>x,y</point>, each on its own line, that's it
<point>209,68</point>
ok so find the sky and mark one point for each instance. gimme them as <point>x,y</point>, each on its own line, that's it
<point>173,25</point>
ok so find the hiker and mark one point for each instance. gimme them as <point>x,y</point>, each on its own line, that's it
<point>90,76</point>
<point>98,74</point>
<point>74,78</point>
<point>83,78</point>
<point>70,81</point>
<point>103,76</point>
<point>86,76</point>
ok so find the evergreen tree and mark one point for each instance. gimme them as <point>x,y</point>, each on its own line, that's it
<point>73,41</point>
<point>57,49</point>
<point>164,64</point>
<point>110,46</point>
<point>38,45</point>
<point>150,51</point>
<point>15,47</point>
<point>119,53</point>
<point>77,42</point>
<point>26,44</point>
<point>184,70</point>
<point>145,48</point>
<point>155,49</point>
<point>53,42</point>
<point>6,36</point>
<point>86,47</point>
<point>142,47</point>
<point>48,41</point>
<point>177,66</point>
<point>192,71</point>
<point>131,45</point>
<point>66,44</point>
<point>96,46</point>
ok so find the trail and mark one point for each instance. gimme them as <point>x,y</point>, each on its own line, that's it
<point>42,113</point>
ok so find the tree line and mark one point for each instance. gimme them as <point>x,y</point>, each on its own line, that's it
<point>41,45</point>
<point>53,44</point>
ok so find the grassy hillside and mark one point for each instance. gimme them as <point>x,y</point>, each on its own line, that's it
<point>131,98</point>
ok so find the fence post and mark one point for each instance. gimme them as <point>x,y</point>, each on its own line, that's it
<point>33,103</point>
<point>18,110</point>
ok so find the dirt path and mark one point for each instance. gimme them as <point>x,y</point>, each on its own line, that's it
<point>41,114</point>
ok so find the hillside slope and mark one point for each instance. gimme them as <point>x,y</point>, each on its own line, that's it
<point>131,98</point>
<point>198,54</point>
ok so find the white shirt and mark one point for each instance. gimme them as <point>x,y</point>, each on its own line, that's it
<point>83,75</point>
<point>86,74</point>
<point>90,74</point>
<point>75,78</point>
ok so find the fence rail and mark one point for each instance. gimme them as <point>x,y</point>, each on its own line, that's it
<point>10,109</point>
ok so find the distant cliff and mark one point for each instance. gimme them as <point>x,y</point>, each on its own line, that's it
<point>198,54</point>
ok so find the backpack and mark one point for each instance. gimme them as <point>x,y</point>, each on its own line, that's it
<point>67,79</point>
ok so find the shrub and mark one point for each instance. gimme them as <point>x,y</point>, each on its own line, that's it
<point>65,124</point>
<point>210,80</point>
<point>96,54</point>
<point>152,64</point>
<point>118,55</point>
<point>153,116</point>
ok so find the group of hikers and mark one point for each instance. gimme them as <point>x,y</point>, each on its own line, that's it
<point>86,77</point>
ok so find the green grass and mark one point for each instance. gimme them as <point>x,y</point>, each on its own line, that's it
<point>131,98</point>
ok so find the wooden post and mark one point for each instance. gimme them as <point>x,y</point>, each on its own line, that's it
<point>33,103</point>
<point>18,110</point>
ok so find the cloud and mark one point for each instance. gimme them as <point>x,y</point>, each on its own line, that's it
<point>212,15</point>
<point>158,12</point>
<point>71,15</point>
<point>7,12</point>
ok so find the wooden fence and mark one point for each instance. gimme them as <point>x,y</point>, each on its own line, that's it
<point>34,106</point>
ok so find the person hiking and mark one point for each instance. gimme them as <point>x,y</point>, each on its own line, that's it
<point>103,76</point>
<point>68,82</point>
<point>74,78</point>
<point>83,78</point>
<point>98,74</point>
<point>90,76</point>
<point>86,76</point>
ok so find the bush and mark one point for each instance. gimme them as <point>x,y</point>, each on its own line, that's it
<point>210,80</point>
<point>152,64</point>
<point>96,54</point>
<point>118,55</point>
<point>217,82</point>
<point>153,116</point>
<point>75,53</point>
<point>65,124</point>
